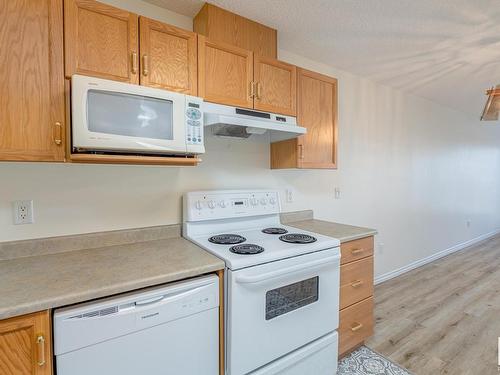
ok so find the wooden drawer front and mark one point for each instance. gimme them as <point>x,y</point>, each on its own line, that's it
<point>357,249</point>
<point>356,324</point>
<point>356,281</point>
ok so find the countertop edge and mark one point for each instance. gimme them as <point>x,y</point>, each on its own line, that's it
<point>107,291</point>
<point>358,236</point>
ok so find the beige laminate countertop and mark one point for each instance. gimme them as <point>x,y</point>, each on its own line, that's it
<point>343,232</point>
<point>35,283</point>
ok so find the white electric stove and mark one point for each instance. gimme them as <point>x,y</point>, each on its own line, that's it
<point>281,284</point>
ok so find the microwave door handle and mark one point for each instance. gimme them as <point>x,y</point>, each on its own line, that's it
<point>300,267</point>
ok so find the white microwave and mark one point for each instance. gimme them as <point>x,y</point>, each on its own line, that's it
<point>117,117</point>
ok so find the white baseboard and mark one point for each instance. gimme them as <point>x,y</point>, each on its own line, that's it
<point>392,274</point>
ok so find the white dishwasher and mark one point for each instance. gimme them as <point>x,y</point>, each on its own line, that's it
<point>165,330</point>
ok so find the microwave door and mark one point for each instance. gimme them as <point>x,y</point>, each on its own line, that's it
<point>125,121</point>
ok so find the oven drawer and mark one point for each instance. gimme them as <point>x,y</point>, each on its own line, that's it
<point>356,324</point>
<point>318,358</point>
<point>278,307</point>
<point>357,249</point>
<point>356,281</point>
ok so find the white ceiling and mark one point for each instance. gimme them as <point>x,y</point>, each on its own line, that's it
<point>445,50</point>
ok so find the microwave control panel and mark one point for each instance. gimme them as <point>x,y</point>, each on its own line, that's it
<point>194,122</point>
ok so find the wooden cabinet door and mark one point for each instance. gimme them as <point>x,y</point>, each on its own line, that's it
<point>31,81</point>
<point>25,344</point>
<point>225,73</point>
<point>168,57</point>
<point>276,86</point>
<point>100,41</point>
<point>317,111</point>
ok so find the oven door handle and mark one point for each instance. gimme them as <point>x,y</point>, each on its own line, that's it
<point>286,271</point>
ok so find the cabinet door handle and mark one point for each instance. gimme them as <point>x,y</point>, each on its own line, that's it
<point>145,65</point>
<point>57,133</point>
<point>259,92</point>
<point>356,327</point>
<point>40,342</point>
<point>357,251</point>
<point>252,89</point>
<point>301,151</point>
<point>356,283</point>
<point>134,62</point>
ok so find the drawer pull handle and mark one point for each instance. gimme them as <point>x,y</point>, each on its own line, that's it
<point>356,327</point>
<point>40,341</point>
<point>356,283</point>
<point>357,251</point>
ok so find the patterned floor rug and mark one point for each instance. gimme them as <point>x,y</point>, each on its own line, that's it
<point>365,361</point>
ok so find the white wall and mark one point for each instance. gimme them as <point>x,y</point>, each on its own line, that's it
<point>414,170</point>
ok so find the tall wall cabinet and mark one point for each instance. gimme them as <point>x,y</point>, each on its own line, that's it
<point>31,81</point>
<point>317,111</point>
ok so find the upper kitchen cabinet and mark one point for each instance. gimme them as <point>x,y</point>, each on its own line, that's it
<point>168,57</point>
<point>25,341</point>
<point>100,41</point>
<point>316,111</point>
<point>31,81</point>
<point>275,86</point>
<point>220,25</point>
<point>225,73</point>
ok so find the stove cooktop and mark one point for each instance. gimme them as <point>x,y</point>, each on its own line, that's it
<point>259,246</point>
<point>243,228</point>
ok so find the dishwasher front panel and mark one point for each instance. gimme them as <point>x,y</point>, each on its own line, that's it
<point>161,331</point>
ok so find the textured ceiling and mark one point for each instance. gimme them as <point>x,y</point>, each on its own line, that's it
<point>444,50</point>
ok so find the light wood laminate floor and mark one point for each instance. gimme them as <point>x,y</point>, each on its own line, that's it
<point>443,318</point>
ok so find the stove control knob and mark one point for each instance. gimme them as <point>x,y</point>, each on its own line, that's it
<point>223,204</point>
<point>272,200</point>
<point>211,204</point>
<point>199,205</point>
<point>263,201</point>
<point>254,202</point>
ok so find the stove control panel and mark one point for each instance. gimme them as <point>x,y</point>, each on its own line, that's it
<point>211,205</point>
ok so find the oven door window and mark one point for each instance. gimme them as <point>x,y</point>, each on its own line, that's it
<point>129,115</point>
<point>291,297</point>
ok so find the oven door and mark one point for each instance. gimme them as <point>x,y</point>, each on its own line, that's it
<point>275,308</point>
<point>117,116</point>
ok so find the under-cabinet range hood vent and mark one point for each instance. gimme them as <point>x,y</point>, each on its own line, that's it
<point>227,121</point>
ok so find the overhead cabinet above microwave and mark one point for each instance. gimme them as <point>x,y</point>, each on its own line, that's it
<point>237,77</point>
<point>106,42</point>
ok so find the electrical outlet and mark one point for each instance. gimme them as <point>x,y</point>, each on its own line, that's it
<point>289,196</point>
<point>23,212</point>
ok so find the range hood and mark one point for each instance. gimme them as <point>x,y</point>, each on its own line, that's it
<point>236,122</point>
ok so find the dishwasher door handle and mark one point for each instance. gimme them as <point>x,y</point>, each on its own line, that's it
<point>149,301</point>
